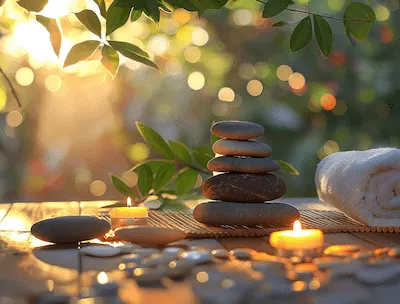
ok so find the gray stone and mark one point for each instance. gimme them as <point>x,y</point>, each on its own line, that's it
<point>148,275</point>
<point>179,269</point>
<point>250,148</point>
<point>241,130</point>
<point>378,275</point>
<point>197,257</point>
<point>149,235</point>
<point>244,188</point>
<point>128,248</point>
<point>70,229</point>
<point>242,253</point>
<point>221,254</point>
<point>100,251</point>
<point>145,252</point>
<point>132,258</point>
<point>242,164</point>
<point>158,259</point>
<point>248,214</point>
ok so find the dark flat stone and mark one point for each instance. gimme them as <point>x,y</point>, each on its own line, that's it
<point>248,214</point>
<point>241,130</point>
<point>243,188</point>
<point>70,229</point>
<point>250,148</point>
<point>242,164</point>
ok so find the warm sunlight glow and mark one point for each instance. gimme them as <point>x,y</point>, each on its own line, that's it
<point>297,225</point>
<point>196,81</point>
<point>98,188</point>
<point>129,202</point>
<point>102,278</point>
<point>56,9</point>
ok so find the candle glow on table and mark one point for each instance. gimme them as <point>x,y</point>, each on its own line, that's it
<point>129,211</point>
<point>297,239</point>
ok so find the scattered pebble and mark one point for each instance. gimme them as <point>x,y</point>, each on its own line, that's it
<point>175,251</point>
<point>100,251</point>
<point>145,252</point>
<point>128,248</point>
<point>148,275</point>
<point>379,262</point>
<point>132,258</point>
<point>242,253</point>
<point>179,269</point>
<point>381,251</point>
<point>341,250</point>
<point>148,235</point>
<point>158,259</point>
<point>197,257</point>
<point>363,255</point>
<point>221,254</point>
<point>378,275</point>
<point>394,252</point>
<point>329,262</point>
<point>305,271</point>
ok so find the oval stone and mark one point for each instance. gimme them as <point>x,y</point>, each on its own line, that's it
<point>242,164</point>
<point>248,214</point>
<point>250,148</point>
<point>149,235</point>
<point>241,130</point>
<point>70,229</point>
<point>241,187</point>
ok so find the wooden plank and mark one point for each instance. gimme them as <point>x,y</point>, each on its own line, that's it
<point>380,239</point>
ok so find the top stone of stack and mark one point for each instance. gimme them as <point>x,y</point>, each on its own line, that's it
<point>239,130</point>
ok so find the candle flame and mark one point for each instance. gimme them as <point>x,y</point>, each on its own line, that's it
<point>129,202</point>
<point>297,225</point>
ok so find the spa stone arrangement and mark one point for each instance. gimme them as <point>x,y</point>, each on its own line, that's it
<point>246,180</point>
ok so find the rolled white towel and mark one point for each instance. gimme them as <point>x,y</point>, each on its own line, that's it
<point>363,184</point>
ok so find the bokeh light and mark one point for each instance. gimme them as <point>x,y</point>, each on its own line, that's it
<point>14,118</point>
<point>226,94</point>
<point>254,87</point>
<point>382,13</point>
<point>158,44</point>
<point>196,81</point>
<point>24,76</point>
<point>200,36</point>
<point>138,152</point>
<point>192,54</point>
<point>328,101</point>
<point>297,81</point>
<point>243,17</point>
<point>3,97</point>
<point>284,72</point>
<point>97,188</point>
<point>53,83</point>
<point>130,178</point>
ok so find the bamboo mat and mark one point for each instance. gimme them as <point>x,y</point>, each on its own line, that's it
<point>311,216</point>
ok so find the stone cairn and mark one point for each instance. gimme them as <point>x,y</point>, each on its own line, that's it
<point>240,192</point>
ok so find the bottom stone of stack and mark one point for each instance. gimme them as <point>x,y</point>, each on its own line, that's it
<point>248,214</point>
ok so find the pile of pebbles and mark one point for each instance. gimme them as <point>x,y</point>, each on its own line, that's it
<point>222,276</point>
<point>246,180</point>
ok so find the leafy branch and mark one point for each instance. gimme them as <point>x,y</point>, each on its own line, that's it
<point>174,175</point>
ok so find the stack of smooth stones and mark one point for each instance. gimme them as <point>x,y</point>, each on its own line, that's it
<point>247,182</point>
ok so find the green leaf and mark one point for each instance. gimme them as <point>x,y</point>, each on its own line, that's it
<point>54,31</point>
<point>163,176</point>
<point>154,140</point>
<point>110,59</point>
<point>145,181</point>
<point>151,10</point>
<point>133,52</point>
<point>102,6</point>
<point>135,15</point>
<point>119,45</point>
<point>180,151</point>
<point>81,51</point>
<point>360,11</point>
<point>185,180</point>
<point>274,7</point>
<point>205,150</point>
<point>301,35</point>
<point>283,23</point>
<point>287,168</point>
<point>33,5</point>
<point>201,158</point>
<point>116,17</point>
<point>122,187</point>
<point>154,164</point>
<point>90,20</point>
<point>323,34</point>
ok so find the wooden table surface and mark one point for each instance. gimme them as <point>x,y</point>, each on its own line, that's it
<point>25,272</point>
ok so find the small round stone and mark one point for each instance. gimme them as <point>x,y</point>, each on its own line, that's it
<point>132,258</point>
<point>197,257</point>
<point>100,251</point>
<point>379,262</point>
<point>128,248</point>
<point>158,259</point>
<point>363,255</point>
<point>242,253</point>
<point>179,269</point>
<point>244,188</point>
<point>381,251</point>
<point>328,262</point>
<point>242,164</point>
<point>248,214</point>
<point>221,254</point>
<point>174,251</point>
<point>148,275</point>
<point>341,250</point>
<point>70,229</point>
<point>241,130</point>
<point>378,275</point>
<point>149,235</point>
<point>250,148</point>
<point>145,252</point>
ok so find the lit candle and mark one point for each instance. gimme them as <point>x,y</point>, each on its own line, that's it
<point>297,239</point>
<point>123,216</point>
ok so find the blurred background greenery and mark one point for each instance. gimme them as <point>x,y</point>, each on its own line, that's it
<point>78,125</point>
